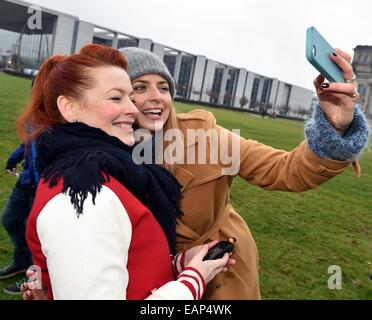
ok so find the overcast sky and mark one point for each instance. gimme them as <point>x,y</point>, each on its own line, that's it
<point>263,36</point>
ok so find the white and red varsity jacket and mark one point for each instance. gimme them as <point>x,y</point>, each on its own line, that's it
<point>115,250</point>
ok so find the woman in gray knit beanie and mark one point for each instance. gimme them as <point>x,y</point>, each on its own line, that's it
<point>338,131</point>
<point>142,62</point>
<point>149,74</point>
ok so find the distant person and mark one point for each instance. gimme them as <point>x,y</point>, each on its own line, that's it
<point>263,112</point>
<point>17,210</point>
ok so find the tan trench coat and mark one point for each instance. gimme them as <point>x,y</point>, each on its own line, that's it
<point>209,215</point>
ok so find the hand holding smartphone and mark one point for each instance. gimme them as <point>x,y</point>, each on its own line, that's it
<point>317,52</point>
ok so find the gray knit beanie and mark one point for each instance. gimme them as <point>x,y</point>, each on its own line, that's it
<point>141,62</point>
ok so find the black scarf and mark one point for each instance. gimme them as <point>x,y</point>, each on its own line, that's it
<point>84,157</point>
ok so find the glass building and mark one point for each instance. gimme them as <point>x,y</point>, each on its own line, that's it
<point>230,86</point>
<point>184,78</point>
<point>217,83</point>
<point>170,60</point>
<point>254,93</point>
<point>24,43</point>
<point>124,41</point>
<point>265,93</point>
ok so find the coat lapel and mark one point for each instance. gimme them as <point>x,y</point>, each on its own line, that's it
<point>184,177</point>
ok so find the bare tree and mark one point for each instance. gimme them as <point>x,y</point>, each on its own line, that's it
<point>213,95</point>
<point>243,101</point>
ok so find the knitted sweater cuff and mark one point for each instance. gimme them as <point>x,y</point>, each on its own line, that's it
<point>326,142</point>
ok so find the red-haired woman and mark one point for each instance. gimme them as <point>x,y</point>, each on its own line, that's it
<point>98,218</point>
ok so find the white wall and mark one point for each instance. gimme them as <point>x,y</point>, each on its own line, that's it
<point>85,34</point>
<point>64,34</point>
<point>197,80</point>
<point>208,80</point>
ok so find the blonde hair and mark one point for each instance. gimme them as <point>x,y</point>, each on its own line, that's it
<point>171,123</point>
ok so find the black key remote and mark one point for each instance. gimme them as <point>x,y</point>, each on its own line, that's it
<point>218,250</point>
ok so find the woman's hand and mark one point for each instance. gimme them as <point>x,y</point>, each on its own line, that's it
<point>337,100</point>
<point>209,268</point>
<point>12,171</point>
<point>31,290</point>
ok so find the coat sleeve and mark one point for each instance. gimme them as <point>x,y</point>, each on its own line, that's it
<point>86,256</point>
<point>272,169</point>
<point>190,285</point>
<point>16,157</point>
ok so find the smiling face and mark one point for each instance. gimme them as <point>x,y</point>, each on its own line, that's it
<point>108,105</point>
<point>153,100</point>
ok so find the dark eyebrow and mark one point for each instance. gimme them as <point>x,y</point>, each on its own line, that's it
<point>144,81</point>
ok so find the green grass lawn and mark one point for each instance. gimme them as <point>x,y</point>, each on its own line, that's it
<point>298,235</point>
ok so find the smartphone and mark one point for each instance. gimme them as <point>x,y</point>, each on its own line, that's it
<point>317,52</point>
<point>219,249</point>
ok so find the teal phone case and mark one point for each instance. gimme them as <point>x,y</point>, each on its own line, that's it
<point>317,52</point>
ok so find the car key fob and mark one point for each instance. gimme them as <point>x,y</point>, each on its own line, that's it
<point>218,250</point>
